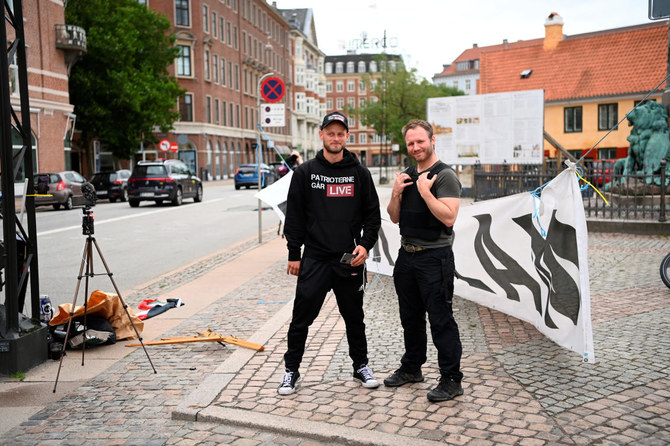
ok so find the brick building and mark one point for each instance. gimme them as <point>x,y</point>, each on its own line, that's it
<point>51,47</point>
<point>346,89</point>
<point>308,82</point>
<point>226,47</point>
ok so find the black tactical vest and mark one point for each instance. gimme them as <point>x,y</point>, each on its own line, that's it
<point>416,220</point>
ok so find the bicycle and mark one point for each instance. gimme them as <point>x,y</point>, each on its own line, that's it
<point>665,270</point>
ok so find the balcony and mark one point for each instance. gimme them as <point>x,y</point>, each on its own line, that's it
<point>72,40</point>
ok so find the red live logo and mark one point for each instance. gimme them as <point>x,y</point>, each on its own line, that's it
<point>340,190</point>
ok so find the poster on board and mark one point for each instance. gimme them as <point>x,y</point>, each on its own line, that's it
<point>492,128</point>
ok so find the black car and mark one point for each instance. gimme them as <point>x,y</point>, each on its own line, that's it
<point>112,185</point>
<point>163,180</point>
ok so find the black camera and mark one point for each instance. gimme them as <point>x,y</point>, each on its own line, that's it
<point>87,221</point>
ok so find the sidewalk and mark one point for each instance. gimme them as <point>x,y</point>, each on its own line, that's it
<point>520,388</point>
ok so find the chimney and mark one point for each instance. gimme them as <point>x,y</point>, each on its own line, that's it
<point>505,44</point>
<point>553,31</point>
<point>474,45</point>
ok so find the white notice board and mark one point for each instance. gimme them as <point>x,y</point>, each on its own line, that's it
<point>489,128</point>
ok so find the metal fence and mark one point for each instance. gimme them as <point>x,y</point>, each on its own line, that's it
<point>629,197</point>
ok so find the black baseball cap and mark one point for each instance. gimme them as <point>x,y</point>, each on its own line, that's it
<point>335,117</point>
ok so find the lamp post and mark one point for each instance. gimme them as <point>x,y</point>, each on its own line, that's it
<point>259,153</point>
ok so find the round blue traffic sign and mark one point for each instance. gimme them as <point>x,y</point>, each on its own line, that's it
<point>272,89</point>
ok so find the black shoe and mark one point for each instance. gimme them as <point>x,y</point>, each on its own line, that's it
<point>446,390</point>
<point>401,377</point>
<point>288,382</point>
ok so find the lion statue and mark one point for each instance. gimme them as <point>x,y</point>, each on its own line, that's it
<point>649,142</point>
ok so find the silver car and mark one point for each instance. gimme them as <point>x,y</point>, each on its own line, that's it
<point>59,189</point>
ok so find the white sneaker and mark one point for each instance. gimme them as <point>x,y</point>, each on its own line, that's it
<point>364,375</point>
<point>288,382</point>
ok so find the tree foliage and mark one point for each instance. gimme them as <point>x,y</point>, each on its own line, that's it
<point>121,88</point>
<point>400,97</point>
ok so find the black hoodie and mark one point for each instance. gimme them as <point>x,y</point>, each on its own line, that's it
<point>331,208</point>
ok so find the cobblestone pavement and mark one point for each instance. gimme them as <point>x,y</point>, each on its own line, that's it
<point>520,388</point>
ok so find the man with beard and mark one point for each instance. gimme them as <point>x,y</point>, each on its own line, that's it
<point>425,200</point>
<point>333,211</point>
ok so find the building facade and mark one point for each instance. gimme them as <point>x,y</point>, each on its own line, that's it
<point>308,82</point>
<point>226,47</point>
<point>590,81</point>
<point>52,47</point>
<point>346,89</point>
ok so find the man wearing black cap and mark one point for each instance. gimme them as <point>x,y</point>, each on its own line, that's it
<point>333,211</point>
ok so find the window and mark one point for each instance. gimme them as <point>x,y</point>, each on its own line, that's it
<point>205,19</point>
<point>186,107</point>
<point>215,66</point>
<point>350,66</point>
<point>351,102</point>
<point>329,104</point>
<point>351,139</point>
<point>182,13</point>
<point>362,138</point>
<point>207,70</point>
<point>237,79</point>
<point>339,87</point>
<point>340,103</point>
<point>361,102</point>
<point>184,61</point>
<point>221,29</point>
<point>213,24</point>
<point>361,86</point>
<point>351,85</point>
<point>361,66</point>
<point>216,111</point>
<point>229,33</point>
<point>329,87</point>
<point>230,75</point>
<point>373,66</point>
<point>467,84</point>
<point>607,116</point>
<point>208,109</point>
<point>352,121</point>
<point>235,37</point>
<point>329,68</point>
<point>339,67</point>
<point>223,72</point>
<point>572,121</point>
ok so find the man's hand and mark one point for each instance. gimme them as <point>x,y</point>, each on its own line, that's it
<point>402,180</point>
<point>361,256</point>
<point>293,267</point>
<point>423,184</point>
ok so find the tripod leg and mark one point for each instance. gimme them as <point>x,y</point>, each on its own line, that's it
<point>123,303</point>
<point>89,274</point>
<point>84,260</point>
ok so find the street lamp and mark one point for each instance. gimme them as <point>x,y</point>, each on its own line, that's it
<point>259,153</point>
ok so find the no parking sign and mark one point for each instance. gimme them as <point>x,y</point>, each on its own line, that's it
<point>272,89</point>
<point>164,145</point>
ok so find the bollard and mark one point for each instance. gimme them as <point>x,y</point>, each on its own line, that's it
<point>661,217</point>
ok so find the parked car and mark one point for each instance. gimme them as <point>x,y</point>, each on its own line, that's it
<point>59,189</point>
<point>247,175</point>
<point>163,180</point>
<point>112,185</point>
<point>602,171</point>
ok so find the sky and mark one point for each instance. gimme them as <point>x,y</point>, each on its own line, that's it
<point>431,33</point>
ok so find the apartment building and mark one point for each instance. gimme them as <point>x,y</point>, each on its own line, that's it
<point>226,46</point>
<point>52,47</point>
<point>346,89</point>
<point>308,82</point>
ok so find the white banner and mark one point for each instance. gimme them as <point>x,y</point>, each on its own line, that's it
<point>275,195</point>
<point>523,256</point>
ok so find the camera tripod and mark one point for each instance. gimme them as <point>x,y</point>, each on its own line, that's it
<point>87,262</point>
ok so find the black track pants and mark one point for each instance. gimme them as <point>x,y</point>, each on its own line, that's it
<point>315,279</point>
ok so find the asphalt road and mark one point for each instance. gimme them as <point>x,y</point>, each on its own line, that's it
<point>140,244</point>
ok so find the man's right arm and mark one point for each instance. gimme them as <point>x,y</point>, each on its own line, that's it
<point>294,223</point>
<point>402,180</point>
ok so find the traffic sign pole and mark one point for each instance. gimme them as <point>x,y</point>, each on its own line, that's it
<point>261,83</point>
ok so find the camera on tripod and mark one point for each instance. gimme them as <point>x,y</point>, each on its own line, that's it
<point>88,191</point>
<point>87,221</point>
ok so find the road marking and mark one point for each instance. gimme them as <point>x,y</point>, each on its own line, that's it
<point>125,217</point>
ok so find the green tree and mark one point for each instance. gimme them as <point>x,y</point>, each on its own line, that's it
<point>121,88</point>
<point>400,97</point>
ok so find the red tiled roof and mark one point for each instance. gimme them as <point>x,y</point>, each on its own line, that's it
<point>605,63</point>
<point>475,53</point>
